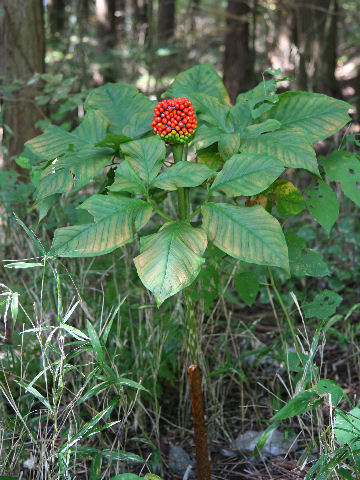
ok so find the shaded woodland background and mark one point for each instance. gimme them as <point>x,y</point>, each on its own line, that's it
<point>52,52</point>
<point>81,44</point>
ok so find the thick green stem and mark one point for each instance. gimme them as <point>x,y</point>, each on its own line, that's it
<point>178,150</point>
<point>191,326</point>
<point>184,213</point>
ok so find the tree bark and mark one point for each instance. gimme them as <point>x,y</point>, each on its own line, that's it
<point>57,16</point>
<point>237,57</point>
<point>316,40</point>
<point>110,17</point>
<point>22,55</point>
<point>106,22</point>
<point>166,22</point>
<point>141,20</point>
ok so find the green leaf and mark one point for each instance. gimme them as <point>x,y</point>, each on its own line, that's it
<point>269,125</point>
<point>247,286</point>
<point>344,473</point>
<point>330,387</point>
<point>130,383</point>
<point>317,115</point>
<point>127,180</point>
<point>210,156</point>
<point>89,425</point>
<point>126,476</point>
<point>247,174</point>
<point>95,469</point>
<point>183,174</point>
<point>249,234</point>
<point>240,116</point>
<point>344,167</point>
<point>46,204</point>
<point>113,141</point>
<point>95,342</point>
<point>213,111</point>
<point>229,143</point>
<point>170,260</point>
<point>304,261</point>
<point>146,156</point>
<point>207,135</point>
<point>35,393</point>
<point>6,477</point>
<point>72,171</point>
<point>199,79</point>
<point>323,204</point>
<point>323,306</point>
<point>289,200</point>
<point>54,142</point>
<point>261,98</point>
<point>292,147</point>
<point>93,128</point>
<point>75,332</point>
<point>129,111</point>
<point>31,235</point>
<point>116,220</point>
<point>297,405</point>
<point>111,381</point>
<point>347,428</point>
<point>122,456</point>
<point>23,265</point>
<point>264,437</point>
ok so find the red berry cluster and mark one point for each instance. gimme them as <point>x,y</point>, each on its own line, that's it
<point>175,120</point>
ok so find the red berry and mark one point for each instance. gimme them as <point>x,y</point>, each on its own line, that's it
<point>174,120</point>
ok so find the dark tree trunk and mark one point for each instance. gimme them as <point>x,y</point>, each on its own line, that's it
<point>57,16</point>
<point>22,55</point>
<point>120,16</point>
<point>166,20</point>
<point>316,40</point>
<point>237,57</point>
<point>110,17</point>
<point>280,51</point>
<point>331,86</point>
<point>106,22</point>
<point>140,20</point>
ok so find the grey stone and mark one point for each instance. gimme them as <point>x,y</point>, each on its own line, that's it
<point>179,460</point>
<point>275,444</point>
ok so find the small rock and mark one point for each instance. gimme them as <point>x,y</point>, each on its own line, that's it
<point>179,461</point>
<point>275,444</point>
<point>30,462</point>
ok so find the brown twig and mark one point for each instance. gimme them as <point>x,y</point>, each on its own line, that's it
<point>202,454</point>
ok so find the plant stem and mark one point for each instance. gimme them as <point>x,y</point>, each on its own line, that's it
<point>178,150</point>
<point>159,212</point>
<point>202,454</point>
<point>283,308</point>
<point>194,213</point>
<point>184,213</point>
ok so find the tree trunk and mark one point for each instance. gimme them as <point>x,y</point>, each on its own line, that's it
<point>316,40</point>
<point>110,16</point>
<point>106,22</point>
<point>166,22</point>
<point>140,20</point>
<point>330,85</point>
<point>57,16</point>
<point>22,55</point>
<point>281,50</point>
<point>237,57</point>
